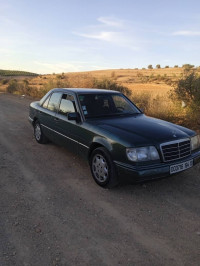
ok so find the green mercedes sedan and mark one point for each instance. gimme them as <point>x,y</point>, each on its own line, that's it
<point>117,139</point>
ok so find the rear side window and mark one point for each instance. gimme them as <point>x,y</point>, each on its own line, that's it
<point>67,104</point>
<point>54,101</point>
<point>45,104</point>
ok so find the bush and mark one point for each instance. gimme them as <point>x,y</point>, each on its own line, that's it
<point>158,66</point>
<point>150,67</point>
<point>142,100</point>
<point>12,86</point>
<point>110,85</point>
<point>113,74</point>
<point>158,106</point>
<point>57,83</point>
<point>4,81</point>
<point>188,91</point>
<point>187,67</point>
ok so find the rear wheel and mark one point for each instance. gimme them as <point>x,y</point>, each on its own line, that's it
<point>102,168</point>
<point>39,136</point>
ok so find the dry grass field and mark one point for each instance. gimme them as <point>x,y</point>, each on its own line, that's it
<point>153,80</point>
<point>150,88</point>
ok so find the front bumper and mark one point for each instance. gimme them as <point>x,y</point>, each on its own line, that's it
<point>149,172</point>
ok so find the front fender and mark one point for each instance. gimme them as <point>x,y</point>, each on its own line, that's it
<point>103,142</point>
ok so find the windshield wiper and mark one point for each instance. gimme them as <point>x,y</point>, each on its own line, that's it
<point>114,114</point>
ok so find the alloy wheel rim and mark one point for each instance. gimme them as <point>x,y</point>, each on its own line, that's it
<point>100,168</point>
<point>38,132</point>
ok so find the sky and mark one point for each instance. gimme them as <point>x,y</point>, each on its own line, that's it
<point>58,36</point>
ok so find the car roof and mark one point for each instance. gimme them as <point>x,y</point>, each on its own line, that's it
<point>83,90</point>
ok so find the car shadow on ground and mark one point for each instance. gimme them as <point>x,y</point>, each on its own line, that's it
<point>185,181</point>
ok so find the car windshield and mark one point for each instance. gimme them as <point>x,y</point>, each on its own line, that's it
<point>107,104</point>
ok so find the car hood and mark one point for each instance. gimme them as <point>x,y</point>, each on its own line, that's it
<point>142,129</point>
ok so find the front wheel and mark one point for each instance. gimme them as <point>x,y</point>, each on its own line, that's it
<point>39,136</point>
<point>102,168</point>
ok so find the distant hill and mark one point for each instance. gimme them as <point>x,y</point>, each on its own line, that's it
<point>16,73</point>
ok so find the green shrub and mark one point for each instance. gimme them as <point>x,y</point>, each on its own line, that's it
<point>57,83</point>
<point>187,90</point>
<point>142,100</point>
<point>107,84</point>
<point>4,81</point>
<point>187,67</point>
<point>12,86</point>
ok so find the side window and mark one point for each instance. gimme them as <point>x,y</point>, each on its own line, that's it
<point>54,101</point>
<point>67,104</point>
<point>45,104</point>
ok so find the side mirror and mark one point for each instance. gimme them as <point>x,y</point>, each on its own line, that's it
<point>74,116</point>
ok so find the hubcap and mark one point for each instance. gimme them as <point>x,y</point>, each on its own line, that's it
<point>100,168</point>
<point>38,132</point>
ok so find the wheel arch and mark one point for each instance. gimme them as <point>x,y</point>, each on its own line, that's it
<point>99,142</point>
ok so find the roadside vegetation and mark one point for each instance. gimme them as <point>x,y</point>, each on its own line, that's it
<point>14,73</point>
<point>172,94</point>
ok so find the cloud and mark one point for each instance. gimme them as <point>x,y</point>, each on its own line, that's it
<point>186,33</point>
<point>115,38</point>
<point>58,67</point>
<point>104,35</point>
<point>106,32</point>
<point>73,66</point>
<point>110,21</point>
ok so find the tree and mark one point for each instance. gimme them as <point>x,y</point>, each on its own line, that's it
<point>187,68</point>
<point>188,91</point>
<point>150,67</point>
<point>158,66</point>
<point>176,66</point>
<point>166,66</point>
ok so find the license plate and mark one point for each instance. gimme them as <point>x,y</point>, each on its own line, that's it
<point>180,166</point>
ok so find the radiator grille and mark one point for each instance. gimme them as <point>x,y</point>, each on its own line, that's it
<point>175,150</point>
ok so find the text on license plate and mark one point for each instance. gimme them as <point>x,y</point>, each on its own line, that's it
<point>180,167</point>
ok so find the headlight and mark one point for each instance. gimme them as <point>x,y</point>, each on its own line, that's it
<point>142,154</point>
<point>195,142</point>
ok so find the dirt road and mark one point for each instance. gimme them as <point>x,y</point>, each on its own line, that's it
<point>53,213</point>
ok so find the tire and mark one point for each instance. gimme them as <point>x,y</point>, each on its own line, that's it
<point>38,134</point>
<point>103,168</point>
